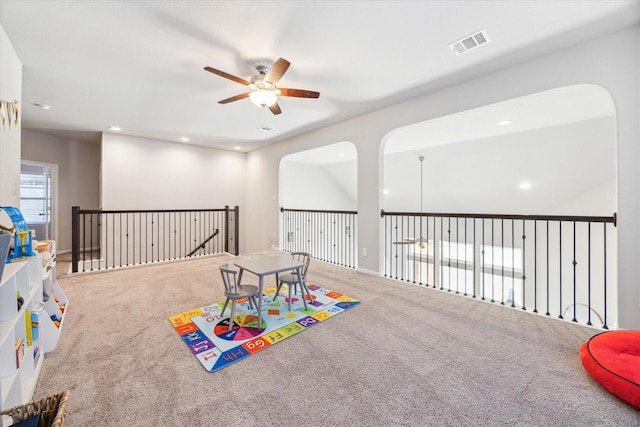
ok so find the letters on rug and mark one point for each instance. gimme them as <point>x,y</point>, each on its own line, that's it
<point>207,334</point>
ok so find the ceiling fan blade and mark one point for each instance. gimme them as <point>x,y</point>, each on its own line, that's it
<point>234,98</point>
<point>299,93</point>
<point>275,108</point>
<point>227,76</point>
<point>276,71</point>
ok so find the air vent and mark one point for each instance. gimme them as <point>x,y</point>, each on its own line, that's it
<point>470,42</point>
<point>265,129</point>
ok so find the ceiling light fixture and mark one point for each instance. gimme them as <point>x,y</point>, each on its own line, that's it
<point>263,94</point>
<point>504,123</point>
<point>115,128</point>
<point>264,98</point>
<point>237,147</point>
<point>184,139</point>
<point>525,186</point>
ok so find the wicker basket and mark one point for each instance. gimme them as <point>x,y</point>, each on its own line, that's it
<point>52,409</point>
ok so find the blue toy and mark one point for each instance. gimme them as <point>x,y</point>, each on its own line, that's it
<point>22,245</point>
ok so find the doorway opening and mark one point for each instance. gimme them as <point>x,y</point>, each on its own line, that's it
<point>38,189</point>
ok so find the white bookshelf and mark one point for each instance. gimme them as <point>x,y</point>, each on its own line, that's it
<point>17,383</point>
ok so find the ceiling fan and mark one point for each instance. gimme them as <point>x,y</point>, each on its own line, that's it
<point>262,87</point>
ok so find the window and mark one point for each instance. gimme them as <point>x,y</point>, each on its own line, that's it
<point>34,197</point>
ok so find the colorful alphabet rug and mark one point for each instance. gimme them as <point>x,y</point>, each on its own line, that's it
<point>207,334</point>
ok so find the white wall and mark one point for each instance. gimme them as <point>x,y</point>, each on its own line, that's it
<point>346,173</point>
<point>78,176</point>
<point>308,186</point>
<point>10,90</point>
<point>146,174</point>
<point>611,62</point>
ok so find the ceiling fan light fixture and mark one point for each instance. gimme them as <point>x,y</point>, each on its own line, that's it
<point>262,90</point>
<point>263,98</point>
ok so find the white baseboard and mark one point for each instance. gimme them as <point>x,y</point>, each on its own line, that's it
<point>369,272</point>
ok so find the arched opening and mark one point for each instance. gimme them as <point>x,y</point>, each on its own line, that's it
<point>512,202</point>
<point>318,199</point>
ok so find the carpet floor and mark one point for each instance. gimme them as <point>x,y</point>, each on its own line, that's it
<point>405,356</point>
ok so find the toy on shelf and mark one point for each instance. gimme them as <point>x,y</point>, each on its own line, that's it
<point>22,243</point>
<point>56,320</point>
<point>35,325</point>
<point>20,300</point>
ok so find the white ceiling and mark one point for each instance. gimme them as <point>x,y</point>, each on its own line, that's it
<point>139,64</point>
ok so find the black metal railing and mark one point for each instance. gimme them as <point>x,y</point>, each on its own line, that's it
<point>103,239</point>
<point>326,235</point>
<point>561,266</point>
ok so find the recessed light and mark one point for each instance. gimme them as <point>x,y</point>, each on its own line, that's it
<point>385,192</point>
<point>525,185</point>
<point>504,123</point>
<point>237,147</point>
<point>43,106</point>
<point>115,128</point>
<point>184,139</point>
<point>340,154</point>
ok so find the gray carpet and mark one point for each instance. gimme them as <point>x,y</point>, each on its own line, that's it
<point>406,356</point>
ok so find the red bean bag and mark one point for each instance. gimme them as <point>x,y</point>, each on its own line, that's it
<point>613,359</point>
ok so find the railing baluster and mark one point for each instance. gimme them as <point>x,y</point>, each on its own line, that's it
<point>396,249</point>
<point>560,265</point>
<point>333,238</point>
<point>493,259</point>
<point>575,263</point>
<point>405,219</point>
<point>502,261</point>
<point>84,241</point>
<point>91,239</point>
<point>449,253</point>
<point>140,240</point>
<point>473,245</point>
<point>440,253</point>
<point>465,257</point>
<point>513,265</point>
<point>457,257</point>
<point>589,272</point>
<point>524,265</point>
<point>604,326</point>
<point>120,233</point>
<point>482,265</point>
<point>535,266</point>
<point>126,233</point>
<point>433,249</point>
<point>548,274</point>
